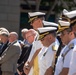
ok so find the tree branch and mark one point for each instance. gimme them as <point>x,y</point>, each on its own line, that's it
<point>37,4</point>
<point>64,4</point>
<point>28,3</point>
<point>51,8</point>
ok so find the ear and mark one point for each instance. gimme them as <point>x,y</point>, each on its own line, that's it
<point>71,33</point>
<point>50,36</point>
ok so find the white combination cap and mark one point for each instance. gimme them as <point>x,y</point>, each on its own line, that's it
<point>64,23</point>
<point>50,24</point>
<point>64,11</point>
<point>32,14</point>
<point>45,31</point>
<point>64,17</point>
<point>70,14</point>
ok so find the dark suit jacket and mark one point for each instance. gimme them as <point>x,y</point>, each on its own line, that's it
<point>9,57</point>
<point>24,56</point>
<point>3,48</point>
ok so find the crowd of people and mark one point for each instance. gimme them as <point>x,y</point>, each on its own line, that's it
<point>47,49</point>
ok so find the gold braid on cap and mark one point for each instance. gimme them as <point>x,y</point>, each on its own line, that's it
<point>61,28</point>
<point>65,18</point>
<point>73,21</point>
<point>41,36</point>
<point>32,18</point>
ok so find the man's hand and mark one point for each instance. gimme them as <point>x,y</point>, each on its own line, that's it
<point>20,73</point>
<point>26,68</point>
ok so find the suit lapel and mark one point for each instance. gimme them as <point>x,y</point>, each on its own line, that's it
<point>9,45</point>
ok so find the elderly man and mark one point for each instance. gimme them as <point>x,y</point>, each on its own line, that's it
<point>9,57</point>
<point>23,32</point>
<point>30,36</point>
<point>13,36</point>
<point>5,42</point>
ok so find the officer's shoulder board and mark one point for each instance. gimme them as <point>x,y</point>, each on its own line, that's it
<point>71,46</point>
<point>54,48</point>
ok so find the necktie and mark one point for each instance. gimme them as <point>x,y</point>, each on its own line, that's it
<point>35,67</point>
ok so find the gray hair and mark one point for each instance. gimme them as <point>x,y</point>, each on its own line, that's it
<point>4,32</point>
<point>14,33</point>
<point>24,30</point>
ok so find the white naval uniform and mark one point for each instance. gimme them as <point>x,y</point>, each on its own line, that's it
<point>72,69</point>
<point>45,57</point>
<point>36,45</point>
<point>66,63</point>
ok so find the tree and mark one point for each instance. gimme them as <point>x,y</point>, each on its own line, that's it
<point>55,6</point>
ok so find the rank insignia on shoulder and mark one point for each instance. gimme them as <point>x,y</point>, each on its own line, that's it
<point>71,46</point>
<point>54,47</point>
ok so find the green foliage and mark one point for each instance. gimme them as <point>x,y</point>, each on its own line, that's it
<point>58,8</point>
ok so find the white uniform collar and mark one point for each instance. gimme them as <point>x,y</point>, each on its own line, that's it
<point>72,41</point>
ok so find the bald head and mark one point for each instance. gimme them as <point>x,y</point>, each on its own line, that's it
<point>31,35</point>
<point>13,36</point>
<point>23,31</point>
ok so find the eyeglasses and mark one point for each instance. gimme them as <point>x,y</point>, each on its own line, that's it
<point>29,36</point>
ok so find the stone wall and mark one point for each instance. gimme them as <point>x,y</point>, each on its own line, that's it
<point>10,14</point>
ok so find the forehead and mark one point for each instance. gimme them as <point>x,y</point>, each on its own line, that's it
<point>35,20</point>
<point>64,31</point>
<point>2,36</point>
<point>28,33</point>
<point>11,34</point>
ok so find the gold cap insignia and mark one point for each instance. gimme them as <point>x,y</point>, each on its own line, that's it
<point>41,36</point>
<point>32,18</point>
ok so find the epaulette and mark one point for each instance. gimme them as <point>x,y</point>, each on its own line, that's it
<point>71,46</point>
<point>54,48</point>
